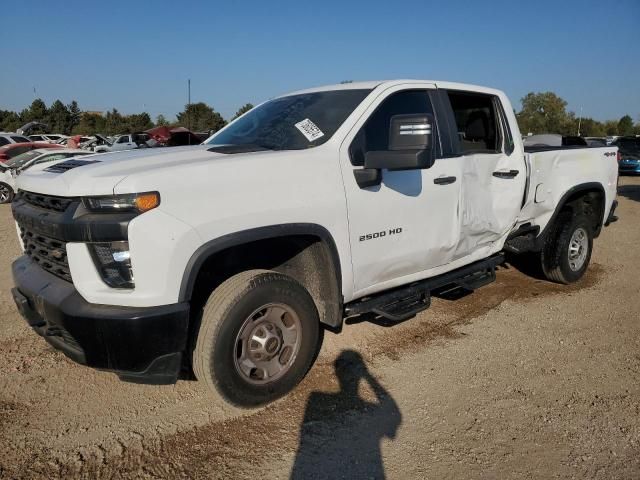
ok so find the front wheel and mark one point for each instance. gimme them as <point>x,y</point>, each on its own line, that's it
<point>567,251</point>
<point>259,335</point>
<point>6,193</point>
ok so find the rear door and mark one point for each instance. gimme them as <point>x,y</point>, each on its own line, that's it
<point>493,171</point>
<point>409,223</point>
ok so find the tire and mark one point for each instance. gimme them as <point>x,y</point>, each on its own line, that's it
<point>243,322</point>
<point>6,193</point>
<point>560,260</point>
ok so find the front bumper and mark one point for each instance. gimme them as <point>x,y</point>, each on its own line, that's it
<point>140,344</point>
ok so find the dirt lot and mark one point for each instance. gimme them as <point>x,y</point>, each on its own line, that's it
<point>522,379</point>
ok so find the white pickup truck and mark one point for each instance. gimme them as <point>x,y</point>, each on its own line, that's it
<point>228,259</point>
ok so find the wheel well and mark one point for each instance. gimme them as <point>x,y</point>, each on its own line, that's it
<point>307,258</point>
<point>589,203</point>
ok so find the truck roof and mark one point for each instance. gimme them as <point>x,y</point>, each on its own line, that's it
<point>370,85</point>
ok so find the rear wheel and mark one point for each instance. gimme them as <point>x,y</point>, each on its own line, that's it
<point>567,251</point>
<point>259,336</point>
<point>6,193</point>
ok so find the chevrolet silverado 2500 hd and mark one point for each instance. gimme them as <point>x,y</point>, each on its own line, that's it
<point>228,259</point>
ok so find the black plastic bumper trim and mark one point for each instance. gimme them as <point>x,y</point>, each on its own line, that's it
<point>143,344</point>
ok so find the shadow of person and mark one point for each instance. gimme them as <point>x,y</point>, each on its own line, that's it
<point>341,433</point>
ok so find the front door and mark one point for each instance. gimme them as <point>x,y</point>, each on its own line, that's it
<point>409,223</point>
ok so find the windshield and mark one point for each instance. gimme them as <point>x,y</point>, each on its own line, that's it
<point>291,123</point>
<point>629,147</point>
<point>19,160</point>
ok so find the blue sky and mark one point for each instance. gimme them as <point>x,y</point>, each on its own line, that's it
<point>138,56</point>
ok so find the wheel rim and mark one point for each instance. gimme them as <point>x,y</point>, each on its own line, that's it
<point>578,249</point>
<point>268,343</point>
<point>4,194</point>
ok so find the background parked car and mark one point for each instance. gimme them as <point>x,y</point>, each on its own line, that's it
<point>41,155</point>
<point>8,138</point>
<point>7,184</point>
<point>553,140</point>
<point>596,141</point>
<point>49,137</point>
<point>125,142</point>
<point>629,150</point>
<point>12,168</point>
<point>9,151</point>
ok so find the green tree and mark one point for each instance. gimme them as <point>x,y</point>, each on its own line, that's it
<point>625,126</point>
<point>89,124</point>
<point>75,115</point>
<point>138,122</point>
<point>37,112</point>
<point>114,123</point>
<point>161,121</point>
<point>545,113</point>
<point>9,121</point>
<point>611,127</point>
<point>201,117</point>
<point>59,118</point>
<point>591,128</point>
<point>244,109</point>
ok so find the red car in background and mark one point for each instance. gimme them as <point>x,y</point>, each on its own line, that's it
<point>9,151</point>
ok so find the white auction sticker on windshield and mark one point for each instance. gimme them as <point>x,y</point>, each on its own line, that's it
<point>309,129</point>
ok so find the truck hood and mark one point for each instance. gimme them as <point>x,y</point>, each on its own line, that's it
<point>100,173</point>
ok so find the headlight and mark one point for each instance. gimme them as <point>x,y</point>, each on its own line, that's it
<point>132,202</point>
<point>113,261</point>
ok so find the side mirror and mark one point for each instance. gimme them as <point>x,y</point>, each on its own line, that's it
<point>410,144</point>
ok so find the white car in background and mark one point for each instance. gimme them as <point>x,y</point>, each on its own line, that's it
<point>12,168</point>
<point>49,137</point>
<point>7,138</point>
<point>7,184</point>
<point>124,142</point>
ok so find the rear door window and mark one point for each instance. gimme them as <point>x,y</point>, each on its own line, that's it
<point>477,122</point>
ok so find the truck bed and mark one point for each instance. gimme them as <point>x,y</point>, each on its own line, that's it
<point>554,171</point>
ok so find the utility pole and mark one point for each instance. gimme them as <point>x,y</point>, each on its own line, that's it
<point>189,104</point>
<point>579,121</point>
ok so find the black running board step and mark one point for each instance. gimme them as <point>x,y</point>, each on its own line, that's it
<point>477,279</point>
<point>404,308</point>
<point>470,276</point>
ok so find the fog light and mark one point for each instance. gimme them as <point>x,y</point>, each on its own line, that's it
<point>113,261</point>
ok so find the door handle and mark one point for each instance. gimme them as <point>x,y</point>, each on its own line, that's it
<point>506,173</point>
<point>444,180</point>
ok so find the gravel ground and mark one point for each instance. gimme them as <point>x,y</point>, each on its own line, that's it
<point>522,379</point>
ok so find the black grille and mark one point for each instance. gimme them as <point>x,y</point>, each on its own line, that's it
<point>68,165</point>
<point>48,202</point>
<point>47,252</point>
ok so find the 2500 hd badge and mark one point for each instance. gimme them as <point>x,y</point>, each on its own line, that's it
<point>383,233</point>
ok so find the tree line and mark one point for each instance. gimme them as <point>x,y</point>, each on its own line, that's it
<point>71,120</point>
<point>547,113</point>
<point>542,112</point>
